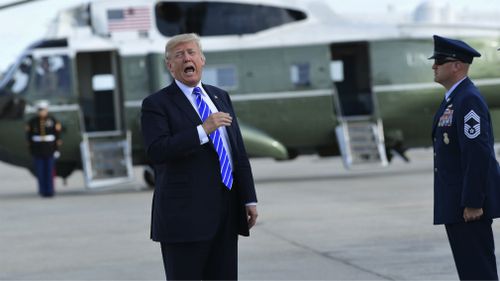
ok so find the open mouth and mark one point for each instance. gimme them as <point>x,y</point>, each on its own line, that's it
<point>189,69</point>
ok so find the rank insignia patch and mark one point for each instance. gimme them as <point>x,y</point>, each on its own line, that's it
<point>472,125</point>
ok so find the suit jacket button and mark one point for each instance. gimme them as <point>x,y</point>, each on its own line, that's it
<point>435,170</point>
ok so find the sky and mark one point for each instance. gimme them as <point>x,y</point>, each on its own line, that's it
<point>23,25</point>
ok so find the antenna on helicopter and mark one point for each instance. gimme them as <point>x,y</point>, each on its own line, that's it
<point>15,3</point>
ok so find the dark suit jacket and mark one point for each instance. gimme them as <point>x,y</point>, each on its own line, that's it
<point>186,201</point>
<point>466,173</point>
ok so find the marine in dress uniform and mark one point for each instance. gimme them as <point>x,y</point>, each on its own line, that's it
<point>466,173</point>
<point>43,136</point>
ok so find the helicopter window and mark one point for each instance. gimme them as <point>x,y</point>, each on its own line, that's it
<point>224,77</point>
<point>103,82</point>
<point>300,74</point>
<point>220,18</point>
<point>337,71</point>
<point>19,81</point>
<point>52,76</point>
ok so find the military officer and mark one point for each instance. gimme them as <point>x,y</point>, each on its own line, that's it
<point>466,173</point>
<point>42,133</point>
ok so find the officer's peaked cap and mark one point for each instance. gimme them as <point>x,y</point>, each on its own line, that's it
<point>42,104</point>
<point>452,48</point>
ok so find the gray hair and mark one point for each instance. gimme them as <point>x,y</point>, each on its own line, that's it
<point>182,38</point>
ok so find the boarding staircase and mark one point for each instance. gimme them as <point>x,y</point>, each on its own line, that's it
<point>106,159</point>
<point>361,142</point>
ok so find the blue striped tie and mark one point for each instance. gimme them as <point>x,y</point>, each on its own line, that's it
<point>225,165</point>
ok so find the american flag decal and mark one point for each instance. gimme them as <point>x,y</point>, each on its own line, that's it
<point>129,19</point>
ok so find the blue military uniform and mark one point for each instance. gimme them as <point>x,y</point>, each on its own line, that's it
<point>466,173</point>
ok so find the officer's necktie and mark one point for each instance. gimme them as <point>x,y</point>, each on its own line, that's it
<point>225,165</point>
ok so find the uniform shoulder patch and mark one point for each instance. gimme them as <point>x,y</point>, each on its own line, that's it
<point>472,125</point>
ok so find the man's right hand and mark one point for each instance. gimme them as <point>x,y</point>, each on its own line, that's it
<point>472,214</point>
<point>216,120</point>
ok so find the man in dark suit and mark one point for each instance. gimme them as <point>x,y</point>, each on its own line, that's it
<point>466,173</point>
<point>204,190</point>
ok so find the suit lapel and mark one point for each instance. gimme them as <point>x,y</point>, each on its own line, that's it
<point>221,106</point>
<point>183,103</point>
<point>216,100</point>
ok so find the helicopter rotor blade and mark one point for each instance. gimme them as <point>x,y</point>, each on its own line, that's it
<point>16,3</point>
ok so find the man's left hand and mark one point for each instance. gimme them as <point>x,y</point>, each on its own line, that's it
<point>472,214</point>
<point>251,215</point>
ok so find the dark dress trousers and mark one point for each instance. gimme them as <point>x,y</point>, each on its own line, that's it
<point>190,203</point>
<point>466,174</point>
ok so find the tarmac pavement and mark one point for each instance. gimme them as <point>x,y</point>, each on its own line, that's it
<point>317,222</point>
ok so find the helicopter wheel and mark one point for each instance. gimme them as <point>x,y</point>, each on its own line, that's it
<point>149,176</point>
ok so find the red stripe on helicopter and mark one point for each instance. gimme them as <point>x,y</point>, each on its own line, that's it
<point>129,19</point>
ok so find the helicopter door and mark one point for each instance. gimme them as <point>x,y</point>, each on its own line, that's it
<point>105,148</point>
<point>360,132</point>
<point>350,68</point>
